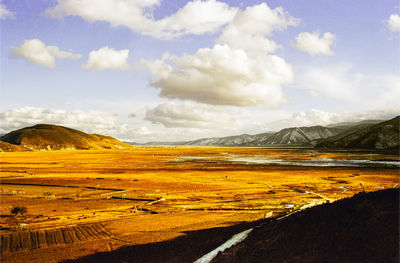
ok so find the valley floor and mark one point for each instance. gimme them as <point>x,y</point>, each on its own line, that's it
<point>85,202</point>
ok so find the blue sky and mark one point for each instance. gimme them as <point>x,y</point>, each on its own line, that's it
<point>173,70</point>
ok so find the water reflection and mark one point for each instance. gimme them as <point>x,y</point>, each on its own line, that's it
<point>299,159</point>
<point>319,162</point>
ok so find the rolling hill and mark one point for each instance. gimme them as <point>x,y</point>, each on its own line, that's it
<point>53,137</point>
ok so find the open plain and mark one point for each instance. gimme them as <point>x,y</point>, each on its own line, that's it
<point>83,202</point>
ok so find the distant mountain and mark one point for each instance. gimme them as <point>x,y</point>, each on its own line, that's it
<point>297,136</point>
<point>238,140</point>
<point>158,143</point>
<point>364,228</point>
<point>384,135</point>
<point>374,134</point>
<point>53,137</point>
<point>288,136</point>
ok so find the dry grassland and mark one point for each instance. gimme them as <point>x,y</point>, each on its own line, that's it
<point>82,202</point>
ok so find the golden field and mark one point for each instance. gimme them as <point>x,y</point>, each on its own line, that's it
<point>82,202</point>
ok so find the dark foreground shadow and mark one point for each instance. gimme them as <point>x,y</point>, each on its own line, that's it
<point>360,229</point>
<point>186,248</point>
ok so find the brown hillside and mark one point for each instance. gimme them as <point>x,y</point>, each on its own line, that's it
<point>53,137</point>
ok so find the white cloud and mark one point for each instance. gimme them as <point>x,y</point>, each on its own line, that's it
<point>314,93</point>
<point>336,81</point>
<point>35,51</point>
<point>313,44</point>
<point>107,58</point>
<point>222,76</point>
<point>394,22</point>
<point>191,115</point>
<point>237,71</point>
<point>342,82</point>
<point>319,117</point>
<point>196,17</point>
<point>387,90</point>
<point>250,28</point>
<point>4,12</point>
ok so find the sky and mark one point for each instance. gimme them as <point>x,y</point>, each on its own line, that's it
<point>153,70</point>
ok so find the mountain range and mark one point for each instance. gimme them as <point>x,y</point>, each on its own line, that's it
<point>369,134</point>
<point>384,135</point>
<point>288,136</point>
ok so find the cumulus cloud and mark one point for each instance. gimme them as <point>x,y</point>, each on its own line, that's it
<point>35,51</point>
<point>222,76</point>
<point>196,17</point>
<point>394,22</point>
<point>107,58</point>
<point>237,71</point>
<point>190,115</point>
<point>250,28</point>
<point>320,117</point>
<point>313,44</point>
<point>4,12</point>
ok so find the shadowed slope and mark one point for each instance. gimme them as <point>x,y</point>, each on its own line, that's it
<point>384,135</point>
<point>364,228</point>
